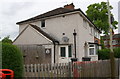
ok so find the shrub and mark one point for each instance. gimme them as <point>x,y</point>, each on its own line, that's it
<point>7,40</point>
<point>117,52</point>
<point>103,54</point>
<point>12,59</point>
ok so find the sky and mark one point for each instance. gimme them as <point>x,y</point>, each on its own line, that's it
<point>12,11</point>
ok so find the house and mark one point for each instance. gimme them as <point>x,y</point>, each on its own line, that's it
<point>66,32</point>
<point>115,42</point>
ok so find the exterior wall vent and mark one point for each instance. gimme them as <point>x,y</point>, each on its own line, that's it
<point>65,39</point>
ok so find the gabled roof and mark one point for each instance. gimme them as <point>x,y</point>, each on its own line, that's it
<point>40,31</point>
<point>44,33</point>
<point>54,12</point>
<point>48,14</point>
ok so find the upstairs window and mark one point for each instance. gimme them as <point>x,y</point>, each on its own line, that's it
<point>91,30</point>
<point>95,33</point>
<point>98,35</point>
<point>84,23</point>
<point>43,23</point>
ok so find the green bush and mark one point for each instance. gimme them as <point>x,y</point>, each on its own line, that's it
<point>117,52</point>
<point>7,40</point>
<point>12,59</point>
<point>105,53</point>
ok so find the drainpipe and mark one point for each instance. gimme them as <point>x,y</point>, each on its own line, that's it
<point>75,41</point>
<point>74,59</point>
<point>54,48</point>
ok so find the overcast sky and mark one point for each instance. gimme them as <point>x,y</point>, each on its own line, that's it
<point>12,11</point>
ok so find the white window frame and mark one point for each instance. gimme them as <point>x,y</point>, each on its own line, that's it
<point>91,30</point>
<point>95,33</point>
<point>66,51</point>
<point>44,24</point>
<point>92,48</point>
<point>98,35</point>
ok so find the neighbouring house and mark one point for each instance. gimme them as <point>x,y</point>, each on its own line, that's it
<point>115,41</point>
<point>65,33</point>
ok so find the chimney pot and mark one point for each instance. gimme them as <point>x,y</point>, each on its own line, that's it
<point>69,6</point>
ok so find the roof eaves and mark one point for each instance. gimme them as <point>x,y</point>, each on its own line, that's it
<point>34,18</point>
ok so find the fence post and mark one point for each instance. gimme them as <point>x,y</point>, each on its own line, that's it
<point>70,69</point>
<point>38,66</point>
<point>118,68</point>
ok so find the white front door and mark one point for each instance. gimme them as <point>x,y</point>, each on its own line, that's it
<point>65,54</point>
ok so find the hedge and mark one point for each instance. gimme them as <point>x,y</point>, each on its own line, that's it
<point>12,59</point>
<point>105,53</point>
<point>117,52</point>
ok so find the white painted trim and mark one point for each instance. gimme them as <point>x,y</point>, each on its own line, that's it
<point>41,34</point>
<point>66,51</point>
<point>94,50</point>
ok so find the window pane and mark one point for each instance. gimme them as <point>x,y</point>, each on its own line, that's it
<point>91,51</point>
<point>70,51</point>
<point>84,23</point>
<point>96,49</point>
<point>63,51</point>
<point>43,23</point>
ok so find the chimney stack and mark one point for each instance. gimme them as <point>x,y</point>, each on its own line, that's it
<point>69,6</point>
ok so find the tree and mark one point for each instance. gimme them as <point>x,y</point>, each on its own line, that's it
<point>98,14</point>
<point>102,43</point>
<point>7,40</point>
<point>12,58</point>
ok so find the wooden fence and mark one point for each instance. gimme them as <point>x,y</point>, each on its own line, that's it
<point>47,70</point>
<point>78,69</point>
<point>33,54</point>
